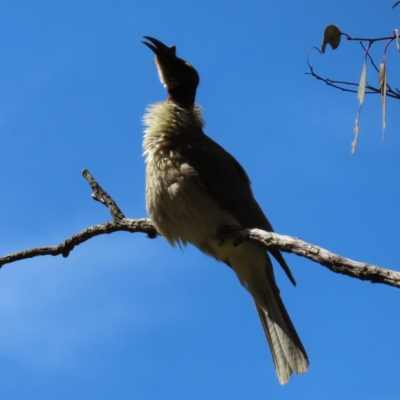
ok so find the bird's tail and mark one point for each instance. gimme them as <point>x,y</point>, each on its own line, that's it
<point>287,350</point>
<point>255,272</point>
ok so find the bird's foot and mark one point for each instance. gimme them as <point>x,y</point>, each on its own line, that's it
<point>234,232</point>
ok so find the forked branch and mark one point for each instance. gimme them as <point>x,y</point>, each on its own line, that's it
<point>269,240</point>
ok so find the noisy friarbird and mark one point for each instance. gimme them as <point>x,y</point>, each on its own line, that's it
<point>194,188</point>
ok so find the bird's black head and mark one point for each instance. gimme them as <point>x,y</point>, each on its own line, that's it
<point>177,75</point>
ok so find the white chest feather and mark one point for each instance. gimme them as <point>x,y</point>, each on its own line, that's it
<point>179,207</point>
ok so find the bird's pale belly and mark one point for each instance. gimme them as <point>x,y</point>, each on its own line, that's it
<point>184,213</point>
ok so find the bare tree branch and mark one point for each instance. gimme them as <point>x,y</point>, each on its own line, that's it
<point>344,85</point>
<point>119,223</point>
<point>334,262</point>
<point>269,240</point>
<point>128,225</point>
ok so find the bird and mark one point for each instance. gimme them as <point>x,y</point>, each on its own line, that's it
<point>194,188</point>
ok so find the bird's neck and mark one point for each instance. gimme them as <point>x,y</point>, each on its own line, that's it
<point>168,125</point>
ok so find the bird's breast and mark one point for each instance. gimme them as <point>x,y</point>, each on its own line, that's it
<point>179,206</point>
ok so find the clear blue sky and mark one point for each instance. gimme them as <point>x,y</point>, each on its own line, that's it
<point>125,317</point>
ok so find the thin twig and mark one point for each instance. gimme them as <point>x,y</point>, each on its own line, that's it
<point>369,40</point>
<point>370,57</point>
<point>336,84</point>
<point>100,195</point>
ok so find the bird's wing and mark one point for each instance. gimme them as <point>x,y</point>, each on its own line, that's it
<point>225,181</point>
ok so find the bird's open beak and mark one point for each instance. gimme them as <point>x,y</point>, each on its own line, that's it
<point>159,48</point>
<point>166,60</point>
<point>178,76</point>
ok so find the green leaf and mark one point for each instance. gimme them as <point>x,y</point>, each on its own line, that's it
<point>332,36</point>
